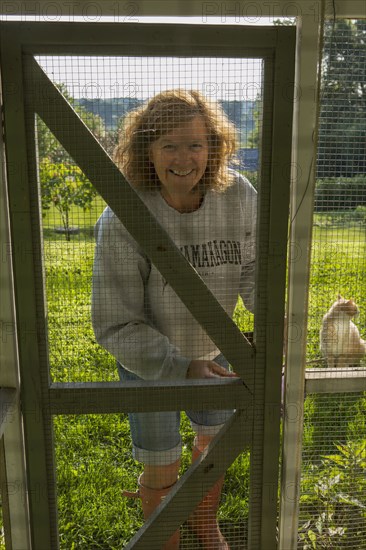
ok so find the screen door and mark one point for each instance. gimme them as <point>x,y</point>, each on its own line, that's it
<point>121,282</point>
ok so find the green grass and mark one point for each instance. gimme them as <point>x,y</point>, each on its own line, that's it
<point>93,452</point>
<point>338,267</point>
<point>329,518</point>
<point>78,218</point>
<point>94,459</point>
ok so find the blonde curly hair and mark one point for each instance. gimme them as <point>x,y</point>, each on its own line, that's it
<point>159,116</point>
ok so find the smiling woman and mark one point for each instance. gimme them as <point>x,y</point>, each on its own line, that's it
<point>175,151</point>
<point>165,123</point>
<point>180,160</point>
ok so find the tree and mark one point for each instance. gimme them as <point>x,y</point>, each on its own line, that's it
<point>62,186</point>
<point>342,125</point>
<point>253,141</point>
<point>49,147</point>
<point>342,122</point>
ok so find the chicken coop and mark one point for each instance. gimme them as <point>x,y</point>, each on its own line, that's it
<point>111,292</point>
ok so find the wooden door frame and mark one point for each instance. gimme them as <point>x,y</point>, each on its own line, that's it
<point>256,397</point>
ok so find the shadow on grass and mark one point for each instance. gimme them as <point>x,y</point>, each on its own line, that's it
<point>55,234</point>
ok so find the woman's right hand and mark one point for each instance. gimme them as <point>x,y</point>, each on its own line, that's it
<point>199,368</point>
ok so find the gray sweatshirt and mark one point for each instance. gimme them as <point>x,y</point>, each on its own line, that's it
<point>136,315</point>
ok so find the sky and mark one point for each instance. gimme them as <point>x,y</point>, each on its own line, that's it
<point>141,77</point>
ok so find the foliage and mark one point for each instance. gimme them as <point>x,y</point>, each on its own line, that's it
<point>342,121</point>
<point>359,215</point>
<point>332,494</point>
<point>241,114</point>
<point>342,130</point>
<point>340,193</point>
<point>114,110</point>
<point>285,22</point>
<point>253,138</point>
<point>49,147</point>
<point>251,176</point>
<point>64,185</point>
<point>341,218</point>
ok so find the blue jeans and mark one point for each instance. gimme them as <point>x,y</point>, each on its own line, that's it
<point>155,435</point>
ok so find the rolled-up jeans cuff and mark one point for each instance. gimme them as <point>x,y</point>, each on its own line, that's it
<point>200,429</point>
<point>157,458</point>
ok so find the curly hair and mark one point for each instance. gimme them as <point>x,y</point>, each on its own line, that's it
<point>158,117</point>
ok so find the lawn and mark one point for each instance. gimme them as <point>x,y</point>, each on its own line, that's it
<point>338,266</point>
<point>333,487</point>
<point>93,452</point>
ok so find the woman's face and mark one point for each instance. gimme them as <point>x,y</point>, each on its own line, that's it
<point>180,160</point>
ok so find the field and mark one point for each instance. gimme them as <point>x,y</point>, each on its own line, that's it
<point>93,452</point>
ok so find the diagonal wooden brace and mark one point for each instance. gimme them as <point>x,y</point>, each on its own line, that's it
<point>45,99</point>
<point>232,439</point>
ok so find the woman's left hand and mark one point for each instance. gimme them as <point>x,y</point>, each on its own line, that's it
<point>199,368</point>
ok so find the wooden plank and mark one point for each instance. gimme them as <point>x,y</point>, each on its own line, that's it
<point>113,397</point>
<point>240,11</point>
<point>347,9</point>
<point>12,462</point>
<point>4,498</point>
<point>302,204</point>
<point>342,380</point>
<point>7,401</point>
<point>271,277</point>
<point>281,151</point>
<point>261,319</point>
<point>141,39</point>
<point>40,490</point>
<point>194,484</point>
<point>46,100</point>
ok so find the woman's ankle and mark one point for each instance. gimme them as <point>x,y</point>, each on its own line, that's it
<point>160,477</point>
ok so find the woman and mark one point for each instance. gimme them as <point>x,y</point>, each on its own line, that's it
<point>175,152</point>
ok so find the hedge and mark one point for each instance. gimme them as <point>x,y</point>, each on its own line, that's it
<point>340,194</point>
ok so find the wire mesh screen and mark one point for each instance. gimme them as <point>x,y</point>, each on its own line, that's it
<point>185,133</point>
<point>94,465</point>
<point>333,499</point>
<point>71,206</point>
<point>333,486</point>
<point>338,253</point>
